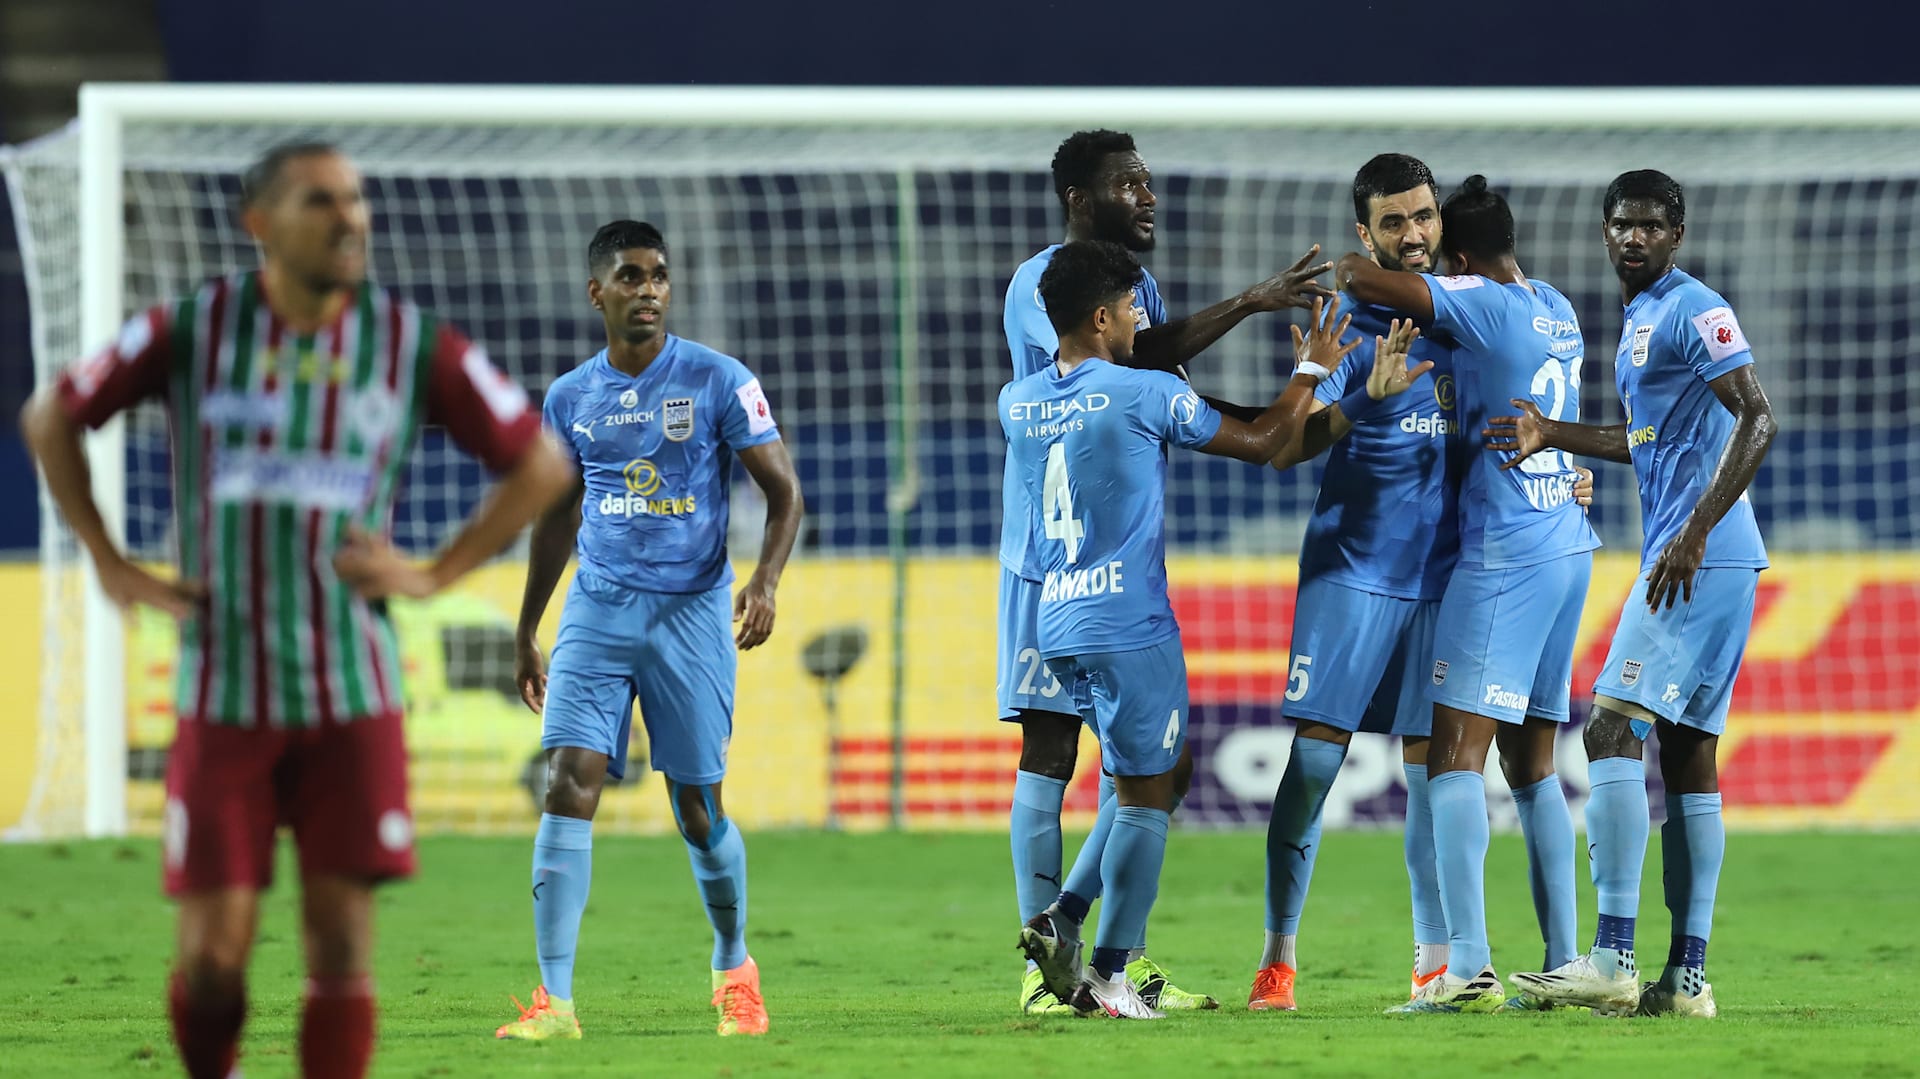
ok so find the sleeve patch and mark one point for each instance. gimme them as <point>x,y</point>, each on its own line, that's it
<point>1720,332</point>
<point>1461,282</point>
<point>1184,405</point>
<point>753,401</point>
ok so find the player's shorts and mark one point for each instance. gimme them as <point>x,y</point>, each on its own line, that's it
<point>1022,680</point>
<point>1360,661</point>
<point>1136,700</point>
<point>1503,644</point>
<point>1679,663</point>
<point>671,651</point>
<point>341,787</point>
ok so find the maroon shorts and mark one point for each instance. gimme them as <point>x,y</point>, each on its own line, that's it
<point>342,788</point>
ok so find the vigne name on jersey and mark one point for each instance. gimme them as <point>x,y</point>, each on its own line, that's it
<point>656,454</point>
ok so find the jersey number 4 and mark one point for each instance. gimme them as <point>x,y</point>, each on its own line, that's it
<point>1057,511</point>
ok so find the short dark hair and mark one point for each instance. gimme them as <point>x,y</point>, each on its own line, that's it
<point>1077,162</point>
<point>264,174</point>
<point>1083,275</point>
<point>1476,221</point>
<point>1649,185</point>
<point>617,236</point>
<point>1389,174</point>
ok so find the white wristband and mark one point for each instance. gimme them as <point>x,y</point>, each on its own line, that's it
<point>1308,367</point>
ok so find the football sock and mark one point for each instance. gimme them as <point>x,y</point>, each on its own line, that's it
<point>562,872</point>
<point>1072,910</point>
<point>1428,958</point>
<point>1423,877</point>
<point>1131,877</point>
<point>1279,949</point>
<point>1035,828</point>
<point>206,1024</point>
<point>1687,966</point>
<point>336,1028</point>
<point>1617,827</point>
<point>720,871</point>
<point>1693,844</point>
<point>1460,835</point>
<point>1547,826</point>
<point>1083,879</point>
<point>1293,828</point>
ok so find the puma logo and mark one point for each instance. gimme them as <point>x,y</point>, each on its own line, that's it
<point>536,890</point>
<point>585,429</point>
<point>724,906</point>
<point>1053,880</point>
<point>1302,851</point>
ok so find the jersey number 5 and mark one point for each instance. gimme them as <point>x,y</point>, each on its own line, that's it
<point>1057,512</point>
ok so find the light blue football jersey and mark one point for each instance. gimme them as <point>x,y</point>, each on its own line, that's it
<point>1032,343</point>
<point>1514,341</point>
<point>1385,519</point>
<point>656,452</point>
<point>1679,336</point>
<point>1090,452</point>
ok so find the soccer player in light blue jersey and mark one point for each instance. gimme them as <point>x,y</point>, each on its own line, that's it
<point>1106,190</point>
<point>654,423</point>
<point>1698,426</point>
<point>1504,636</point>
<point>1088,441</point>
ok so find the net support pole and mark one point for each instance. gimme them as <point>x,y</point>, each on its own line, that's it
<point>903,493</point>
<point>102,242</point>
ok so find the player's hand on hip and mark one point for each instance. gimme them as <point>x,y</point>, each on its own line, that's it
<point>1583,485</point>
<point>753,609</point>
<point>1292,287</point>
<point>530,672</point>
<point>1672,575</point>
<point>1390,374</point>
<point>1321,344</point>
<point>1522,435</point>
<point>371,566</point>
<point>128,586</point>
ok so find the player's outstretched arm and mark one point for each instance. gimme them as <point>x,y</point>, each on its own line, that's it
<point>1369,282</point>
<point>1256,442</point>
<point>1753,430</point>
<point>53,438</point>
<point>1164,348</point>
<point>1389,377</point>
<point>771,467</point>
<point>1531,431</point>
<point>548,549</point>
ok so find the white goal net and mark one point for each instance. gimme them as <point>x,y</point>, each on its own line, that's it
<point>853,249</point>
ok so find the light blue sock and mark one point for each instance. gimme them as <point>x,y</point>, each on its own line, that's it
<point>1693,844</point>
<point>1423,876</point>
<point>1617,827</point>
<point>720,871</point>
<point>1035,828</point>
<point>1130,872</point>
<point>1547,826</point>
<point>1293,828</point>
<point>1084,879</point>
<point>1459,801</point>
<point>562,873</point>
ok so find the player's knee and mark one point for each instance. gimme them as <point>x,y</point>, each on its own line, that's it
<point>1049,744</point>
<point>572,789</point>
<point>1688,760</point>
<point>697,811</point>
<point>1610,734</point>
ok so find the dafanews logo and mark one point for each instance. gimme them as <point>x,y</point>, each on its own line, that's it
<point>1638,436</point>
<point>643,483</point>
<point>1433,424</point>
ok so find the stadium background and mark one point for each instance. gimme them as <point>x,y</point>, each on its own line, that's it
<point>1825,615</point>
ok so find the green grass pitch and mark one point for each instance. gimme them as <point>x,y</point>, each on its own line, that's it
<point>892,955</point>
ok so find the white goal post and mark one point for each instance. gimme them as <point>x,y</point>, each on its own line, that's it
<point>1291,148</point>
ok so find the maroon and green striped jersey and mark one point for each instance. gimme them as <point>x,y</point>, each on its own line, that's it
<point>281,441</point>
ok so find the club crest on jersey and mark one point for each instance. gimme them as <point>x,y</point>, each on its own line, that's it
<point>1642,342</point>
<point>629,399</point>
<point>676,417</point>
<point>1439,672</point>
<point>1630,672</point>
<point>374,411</point>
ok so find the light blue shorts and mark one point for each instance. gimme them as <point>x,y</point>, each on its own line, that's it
<point>1022,682</point>
<point>1503,644</point>
<point>1360,661</point>
<point>1680,662</point>
<point>671,651</point>
<point>1136,701</point>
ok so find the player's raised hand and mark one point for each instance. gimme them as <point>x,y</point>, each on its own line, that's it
<point>371,566</point>
<point>530,672</point>
<point>1390,374</point>
<point>128,586</point>
<point>1321,344</point>
<point>1672,573</point>
<point>1583,485</point>
<point>753,609</point>
<point>1522,435</point>
<point>1292,287</point>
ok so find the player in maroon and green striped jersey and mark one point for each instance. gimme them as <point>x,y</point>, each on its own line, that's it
<point>296,392</point>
